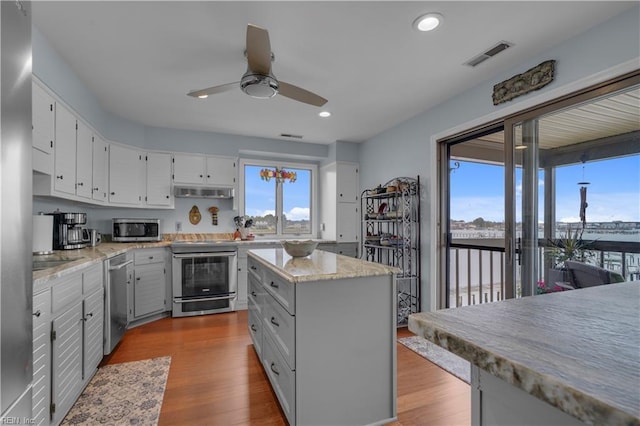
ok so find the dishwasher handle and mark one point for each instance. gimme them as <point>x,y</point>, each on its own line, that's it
<point>120,266</point>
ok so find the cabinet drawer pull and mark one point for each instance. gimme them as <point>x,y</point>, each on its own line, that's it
<point>274,285</point>
<point>37,313</point>
<point>273,368</point>
<point>253,268</point>
<point>150,257</point>
<point>274,322</point>
<point>61,177</point>
<point>253,328</point>
<point>254,294</point>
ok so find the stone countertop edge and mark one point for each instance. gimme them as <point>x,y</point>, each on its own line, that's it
<point>313,267</point>
<point>526,361</point>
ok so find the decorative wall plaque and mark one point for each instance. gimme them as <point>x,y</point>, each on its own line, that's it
<point>521,84</point>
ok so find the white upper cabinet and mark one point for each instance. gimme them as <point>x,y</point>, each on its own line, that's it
<point>65,151</point>
<point>100,164</point>
<point>126,166</point>
<point>188,169</point>
<point>84,160</point>
<point>204,170</point>
<point>347,182</point>
<point>221,171</point>
<point>339,207</point>
<point>43,116</point>
<point>159,179</point>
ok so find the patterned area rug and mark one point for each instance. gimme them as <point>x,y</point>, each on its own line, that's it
<point>444,359</point>
<point>123,394</point>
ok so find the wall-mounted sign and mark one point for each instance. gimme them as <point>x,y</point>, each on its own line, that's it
<point>533,79</point>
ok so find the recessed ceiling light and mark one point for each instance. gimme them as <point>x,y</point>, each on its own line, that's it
<point>427,22</point>
<point>324,114</point>
<point>203,96</point>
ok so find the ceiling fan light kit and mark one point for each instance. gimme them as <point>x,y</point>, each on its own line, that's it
<point>259,86</point>
<point>258,81</point>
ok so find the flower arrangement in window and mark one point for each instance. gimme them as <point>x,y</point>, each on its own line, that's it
<point>280,175</point>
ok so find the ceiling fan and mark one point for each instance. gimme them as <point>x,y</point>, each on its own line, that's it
<point>258,81</point>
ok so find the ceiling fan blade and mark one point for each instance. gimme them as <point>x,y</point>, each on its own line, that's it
<point>213,90</point>
<point>299,94</point>
<point>258,50</point>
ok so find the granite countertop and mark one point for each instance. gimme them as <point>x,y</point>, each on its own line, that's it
<point>320,265</point>
<point>81,258</point>
<point>576,350</point>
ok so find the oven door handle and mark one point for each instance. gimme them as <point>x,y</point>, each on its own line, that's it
<point>204,299</point>
<point>212,254</point>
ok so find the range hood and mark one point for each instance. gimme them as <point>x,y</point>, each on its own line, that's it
<point>202,192</point>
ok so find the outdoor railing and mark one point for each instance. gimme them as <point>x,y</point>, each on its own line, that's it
<point>477,269</point>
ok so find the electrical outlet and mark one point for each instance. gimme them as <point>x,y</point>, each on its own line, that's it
<point>178,226</point>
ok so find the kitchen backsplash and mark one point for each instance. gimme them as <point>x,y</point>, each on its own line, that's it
<point>100,218</point>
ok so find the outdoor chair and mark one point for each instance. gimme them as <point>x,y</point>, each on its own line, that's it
<point>583,275</point>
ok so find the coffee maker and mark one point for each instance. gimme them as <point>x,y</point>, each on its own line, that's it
<point>69,231</point>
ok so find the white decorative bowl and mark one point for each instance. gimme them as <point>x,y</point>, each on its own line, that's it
<point>299,248</point>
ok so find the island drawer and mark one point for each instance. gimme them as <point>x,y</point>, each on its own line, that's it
<point>255,327</point>
<point>281,377</point>
<point>256,292</point>
<point>282,290</point>
<point>281,326</point>
<point>254,269</point>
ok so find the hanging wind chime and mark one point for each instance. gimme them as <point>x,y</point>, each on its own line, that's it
<point>583,195</point>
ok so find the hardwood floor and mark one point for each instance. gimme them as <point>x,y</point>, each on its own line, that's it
<point>216,378</point>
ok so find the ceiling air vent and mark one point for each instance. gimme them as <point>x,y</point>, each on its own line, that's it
<point>492,51</point>
<point>289,135</point>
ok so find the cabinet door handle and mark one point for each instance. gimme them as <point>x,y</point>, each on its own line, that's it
<point>274,285</point>
<point>37,313</point>
<point>60,177</point>
<point>274,322</point>
<point>253,293</point>
<point>273,368</point>
<point>137,278</point>
<point>80,184</point>
<point>113,193</point>
<point>253,328</point>
<point>167,197</point>
<point>253,268</point>
<point>96,189</point>
<point>150,257</point>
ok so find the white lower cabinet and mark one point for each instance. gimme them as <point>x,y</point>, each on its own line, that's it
<point>328,346</point>
<point>67,341</point>
<point>150,283</point>
<point>41,395</point>
<point>241,294</point>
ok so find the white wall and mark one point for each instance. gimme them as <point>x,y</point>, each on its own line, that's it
<point>409,148</point>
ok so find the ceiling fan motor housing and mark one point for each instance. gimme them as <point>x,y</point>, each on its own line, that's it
<point>259,86</point>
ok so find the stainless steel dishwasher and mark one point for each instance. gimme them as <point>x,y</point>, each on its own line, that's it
<point>118,280</point>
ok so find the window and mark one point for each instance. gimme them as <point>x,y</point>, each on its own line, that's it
<point>279,197</point>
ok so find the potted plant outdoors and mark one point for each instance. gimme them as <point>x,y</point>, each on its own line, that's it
<point>569,246</point>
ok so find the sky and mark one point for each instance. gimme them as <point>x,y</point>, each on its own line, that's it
<point>477,190</point>
<point>260,195</point>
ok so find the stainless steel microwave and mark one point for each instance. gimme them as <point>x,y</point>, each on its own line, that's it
<point>130,230</point>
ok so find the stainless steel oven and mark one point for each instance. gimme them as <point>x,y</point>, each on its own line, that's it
<point>205,278</point>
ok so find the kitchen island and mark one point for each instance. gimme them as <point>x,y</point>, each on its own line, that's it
<point>323,327</point>
<point>562,358</point>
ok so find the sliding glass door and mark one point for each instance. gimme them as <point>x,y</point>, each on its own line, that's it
<point>569,168</point>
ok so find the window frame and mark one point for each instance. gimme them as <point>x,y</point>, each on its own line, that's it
<point>313,210</point>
